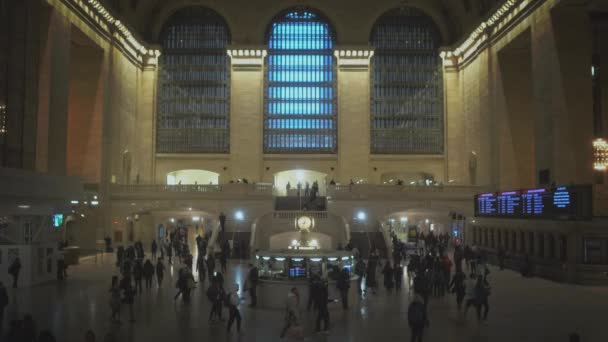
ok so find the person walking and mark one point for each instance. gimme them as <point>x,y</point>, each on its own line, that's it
<point>360,272</point>
<point>398,274</point>
<point>224,256</point>
<point>252,281</point>
<point>292,327</point>
<point>482,292</point>
<point>457,287</point>
<point>128,298</point>
<point>115,300</point>
<point>214,294</point>
<point>321,300</point>
<point>154,249</point>
<point>388,276</point>
<point>138,272</point>
<point>148,273</point>
<point>470,297</point>
<point>222,221</point>
<point>210,265</point>
<point>160,271</point>
<point>200,268</point>
<point>370,277</point>
<point>343,284</point>
<point>417,318</point>
<point>169,250</point>
<point>232,301</point>
<point>3,305</point>
<point>14,270</point>
<point>501,256</point>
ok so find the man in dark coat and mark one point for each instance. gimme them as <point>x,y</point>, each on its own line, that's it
<point>321,299</point>
<point>3,304</point>
<point>343,285</point>
<point>14,270</point>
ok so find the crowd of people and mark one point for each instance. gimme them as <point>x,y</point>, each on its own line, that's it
<point>432,275</point>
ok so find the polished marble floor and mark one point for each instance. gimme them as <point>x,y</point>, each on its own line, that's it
<point>521,310</point>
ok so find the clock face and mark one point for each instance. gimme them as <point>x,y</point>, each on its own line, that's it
<point>304,222</point>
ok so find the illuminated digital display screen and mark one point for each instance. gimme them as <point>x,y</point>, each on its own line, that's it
<point>562,202</point>
<point>297,272</point>
<point>57,220</point>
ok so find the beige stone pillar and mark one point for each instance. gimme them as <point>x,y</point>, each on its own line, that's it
<point>353,114</point>
<point>21,37</point>
<point>246,113</point>
<point>146,142</point>
<point>59,76</point>
<point>561,57</point>
<point>456,159</point>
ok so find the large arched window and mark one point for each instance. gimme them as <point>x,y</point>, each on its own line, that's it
<point>194,84</point>
<point>406,87</point>
<point>300,111</point>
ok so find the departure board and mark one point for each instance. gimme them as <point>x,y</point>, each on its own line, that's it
<point>562,202</point>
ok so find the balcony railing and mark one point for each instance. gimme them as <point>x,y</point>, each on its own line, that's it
<point>230,190</point>
<point>297,213</point>
<point>357,191</point>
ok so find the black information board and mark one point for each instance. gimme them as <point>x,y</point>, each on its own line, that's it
<point>562,202</point>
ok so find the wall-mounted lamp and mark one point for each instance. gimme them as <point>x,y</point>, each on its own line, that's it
<point>600,154</point>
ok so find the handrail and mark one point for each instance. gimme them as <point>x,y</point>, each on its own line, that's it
<point>268,189</point>
<point>383,188</point>
<point>297,213</point>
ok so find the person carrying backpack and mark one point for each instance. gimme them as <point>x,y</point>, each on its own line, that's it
<point>417,318</point>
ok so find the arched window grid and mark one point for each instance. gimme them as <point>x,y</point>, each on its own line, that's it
<point>194,84</point>
<point>300,109</point>
<point>406,85</point>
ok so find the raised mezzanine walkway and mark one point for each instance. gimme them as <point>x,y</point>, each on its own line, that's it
<point>521,310</point>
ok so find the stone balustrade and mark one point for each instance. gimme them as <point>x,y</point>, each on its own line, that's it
<point>345,192</point>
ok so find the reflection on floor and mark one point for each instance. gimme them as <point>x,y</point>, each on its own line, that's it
<point>521,310</point>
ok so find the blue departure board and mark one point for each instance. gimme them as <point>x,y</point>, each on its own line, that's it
<point>509,202</point>
<point>562,202</point>
<point>486,204</point>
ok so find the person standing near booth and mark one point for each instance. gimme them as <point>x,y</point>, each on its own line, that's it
<point>252,281</point>
<point>222,221</point>
<point>14,270</point>
<point>3,305</point>
<point>343,285</point>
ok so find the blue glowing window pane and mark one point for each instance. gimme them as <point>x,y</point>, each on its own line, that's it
<point>300,114</point>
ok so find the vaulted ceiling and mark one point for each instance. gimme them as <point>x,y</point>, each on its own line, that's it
<point>454,17</point>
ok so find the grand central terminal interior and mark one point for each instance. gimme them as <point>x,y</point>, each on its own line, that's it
<point>376,166</point>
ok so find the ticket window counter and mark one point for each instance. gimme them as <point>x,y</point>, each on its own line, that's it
<point>301,267</point>
<point>272,268</point>
<point>334,266</point>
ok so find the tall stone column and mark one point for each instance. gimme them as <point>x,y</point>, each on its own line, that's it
<point>146,144</point>
<point>456,159</point>
<point>561,57</point>
<point>58,54</point>
<point>246,113</point>
<point>353,114</point>
<point>21,36</point>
